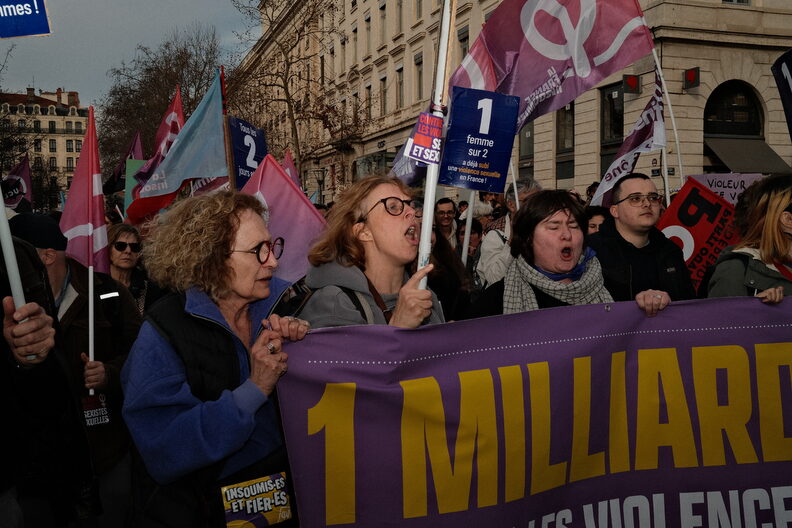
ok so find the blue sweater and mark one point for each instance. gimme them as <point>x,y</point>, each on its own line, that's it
<point>175,432</point>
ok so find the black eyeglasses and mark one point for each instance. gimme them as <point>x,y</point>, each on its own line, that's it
<point>265,249</point>
<point>637,199</point>
<point>393,206</point>
<point>121,246</point>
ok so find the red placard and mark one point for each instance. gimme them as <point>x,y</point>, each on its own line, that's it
<point>700,222</point>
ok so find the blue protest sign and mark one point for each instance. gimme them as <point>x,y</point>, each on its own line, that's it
<point>479,141</point>
<point>23,19</point>
<point>249,147</point>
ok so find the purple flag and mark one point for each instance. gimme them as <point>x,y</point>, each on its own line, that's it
<point>612,419</point>
<point>16,185</point>
<point>648,134</point>
<point>547,52</point>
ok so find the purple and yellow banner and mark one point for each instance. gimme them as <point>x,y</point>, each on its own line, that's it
<point>590,416</point>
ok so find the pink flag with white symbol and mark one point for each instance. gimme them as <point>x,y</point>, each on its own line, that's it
<point>648,134</point>
<point>290,168</point>
<point>289,215</point>
<point>547,52</point>
<point>16,185</point>
<point>83,220</point>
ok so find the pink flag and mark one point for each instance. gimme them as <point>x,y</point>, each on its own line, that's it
<point>17,184</point>
<point>290,168</point>
<point>648,134</point>
<point>83,221</point>
<point>171,125</point>
<point>547,52</point>
<point>289,215</point>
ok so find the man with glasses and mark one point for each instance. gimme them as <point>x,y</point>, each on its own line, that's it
<point>445,219</point>
<point>116,324</point>
<point>638,261</point>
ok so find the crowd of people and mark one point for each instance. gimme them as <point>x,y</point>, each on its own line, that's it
<point>190,324</point>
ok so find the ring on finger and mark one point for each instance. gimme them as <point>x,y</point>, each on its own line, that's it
<point>271,348</point>
<point>658,296</point>
<point>31,357</point>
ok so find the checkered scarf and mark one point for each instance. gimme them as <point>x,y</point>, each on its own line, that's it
<point>518,296</point>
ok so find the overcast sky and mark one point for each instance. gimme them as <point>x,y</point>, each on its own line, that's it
<point>91,36</point>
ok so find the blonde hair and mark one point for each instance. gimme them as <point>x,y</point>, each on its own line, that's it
<point>338,242</point>
<point>764,220</point>
<point>191,243</point>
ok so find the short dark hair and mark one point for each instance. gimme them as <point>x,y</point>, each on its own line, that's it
<point>445,200</point>
<point>538,207</point>
<point>594,210</point>
<point>632,176</point>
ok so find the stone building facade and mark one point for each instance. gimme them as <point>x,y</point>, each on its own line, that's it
<point>49,126</point>
<point>379,65</point>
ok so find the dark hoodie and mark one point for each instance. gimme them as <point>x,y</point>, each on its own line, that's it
<point>629,270</point>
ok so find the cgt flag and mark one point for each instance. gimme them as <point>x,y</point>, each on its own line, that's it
<point>16,186</point>
<point>782,71</point>
<point>289,215</point>
<point>648,134</point>
<point>547,52</point>
<point>83,220</point>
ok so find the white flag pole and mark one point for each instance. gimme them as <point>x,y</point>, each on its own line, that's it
<point>664,161</point>
<point>673,120</point>
<point>433,170</point>
<point>91,317</point>
<point>468,225</point>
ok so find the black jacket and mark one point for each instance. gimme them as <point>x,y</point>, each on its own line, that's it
<point>628,270</point>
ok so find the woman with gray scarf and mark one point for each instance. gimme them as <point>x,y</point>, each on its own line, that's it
<point>551,267</point>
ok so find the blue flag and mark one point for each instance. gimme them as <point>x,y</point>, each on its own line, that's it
<point>197,152</point>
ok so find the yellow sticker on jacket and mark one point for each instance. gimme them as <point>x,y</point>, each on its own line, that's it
<point>259,502</point>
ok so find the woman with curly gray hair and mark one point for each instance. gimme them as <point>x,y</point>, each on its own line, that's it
<point>200,378</point>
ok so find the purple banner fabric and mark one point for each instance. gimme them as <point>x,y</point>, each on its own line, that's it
<point>590,416</point>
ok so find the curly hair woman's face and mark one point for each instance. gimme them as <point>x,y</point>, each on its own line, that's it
<point>250,279</point>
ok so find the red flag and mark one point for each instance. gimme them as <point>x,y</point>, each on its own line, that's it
<point>83,222</point>
<point>547,52</point>
<point>171,125</point>
<point>290,168</point>
<point>17,184</point>
<point>289,215</point>
<point>700,222</point>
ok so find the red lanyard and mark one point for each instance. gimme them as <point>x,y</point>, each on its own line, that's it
<point>783,270</point>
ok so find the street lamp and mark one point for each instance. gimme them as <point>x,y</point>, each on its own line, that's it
<point>320,182</point>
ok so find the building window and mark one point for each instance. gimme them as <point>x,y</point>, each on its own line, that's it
<point>383,23</point>
<point>37,145</point>
<point>367,21</point>
<point>53,163</point>
<point>68,127</point>
<point>21,124</point>
<point>741,2</point>
<point>368,102</point>
<point>354,44</point>
<point>78,145</point>
<point>53,146</point>
<point>565,142</point>
<point>321,70</point>
<point>419,76</point>
<point>400,87</point>
<point>355,108</point>
<point>69,145</point>
<point>343,54</point>
<point>527,141</point>
<point>69,164</point>
<point>418,9</point>
<point>611,123</point>
<point>38,163</point>
<point>733,110</point>
<point>383,95</point>
<point>22,144</point>
<point>399,14</point>
<point>78,127</point>
<point>52,127</point>
<point>353,5</point>
<point>37,126</point>
<point>463,35</point>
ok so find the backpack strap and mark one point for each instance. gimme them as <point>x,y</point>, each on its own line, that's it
<point>360,303</point>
